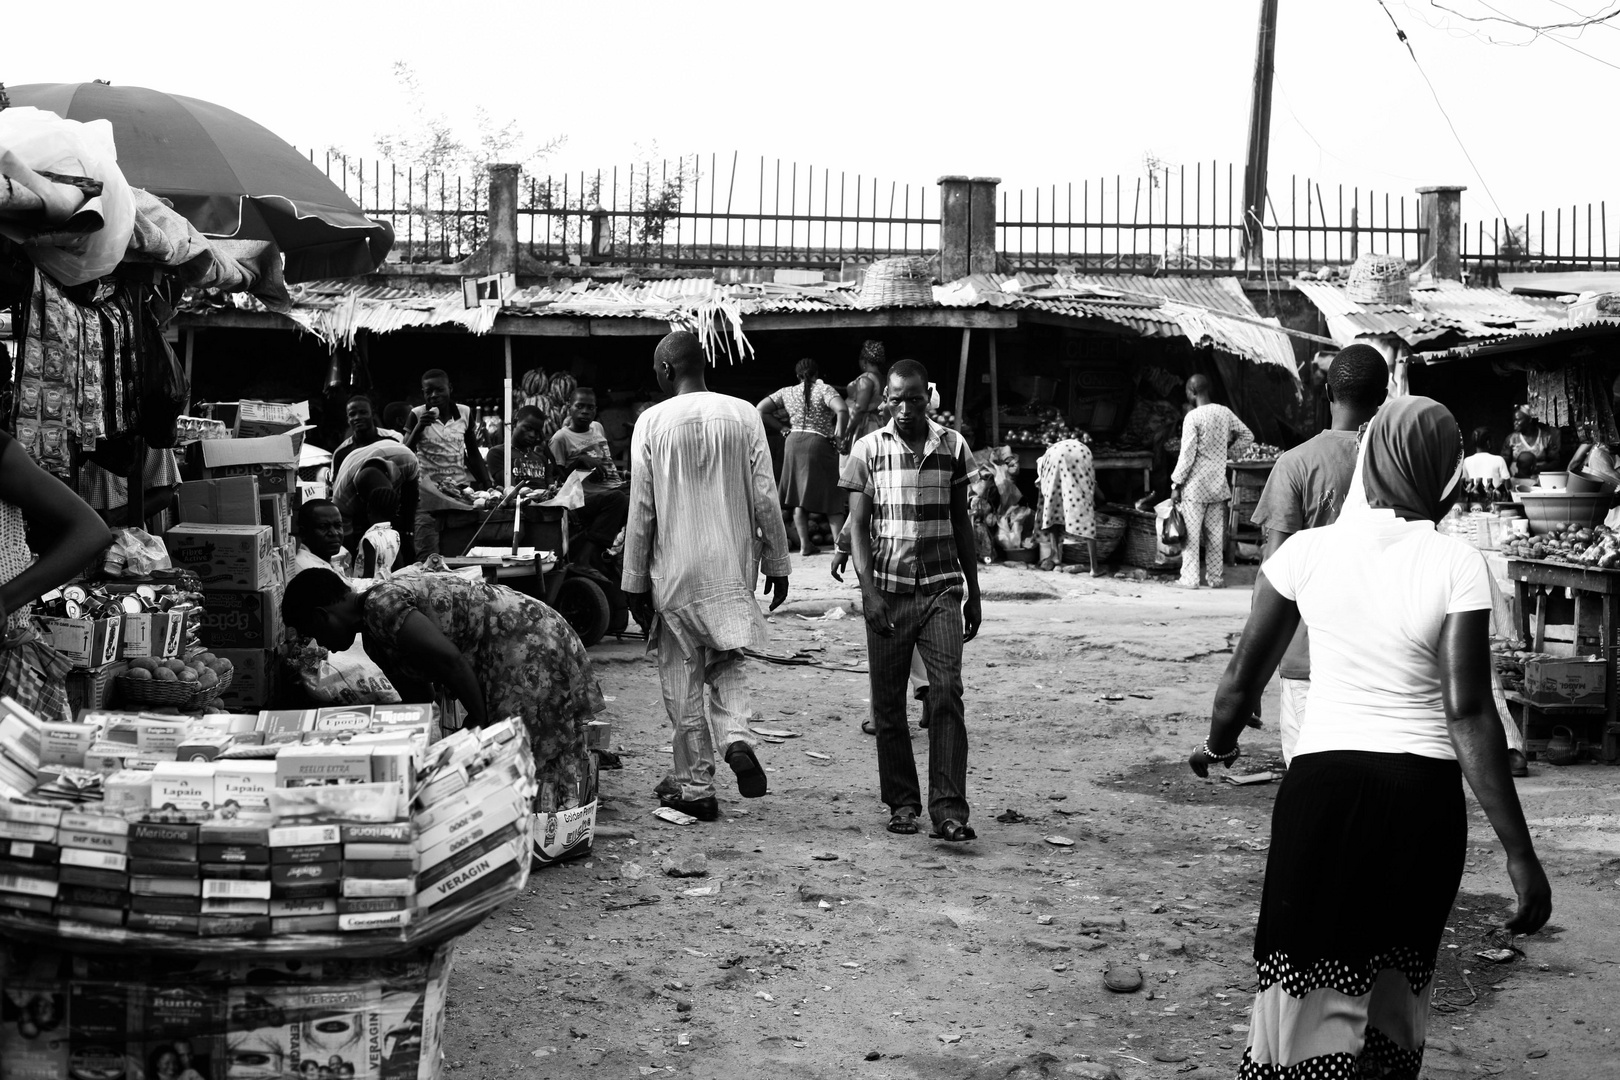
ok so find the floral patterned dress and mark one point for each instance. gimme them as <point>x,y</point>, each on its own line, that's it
<point>528,661</point>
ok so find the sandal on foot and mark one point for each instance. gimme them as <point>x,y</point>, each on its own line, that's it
<point>954,831</point>
<point>903,821</point>
<point>751,782</point>
<point>866,726</point>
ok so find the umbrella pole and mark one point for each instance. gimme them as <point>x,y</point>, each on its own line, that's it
<point>191,345</point>
<point>506,402</point>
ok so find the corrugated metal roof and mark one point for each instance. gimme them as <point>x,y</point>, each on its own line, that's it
<point>1151,307</point>
<point>1442,310</point>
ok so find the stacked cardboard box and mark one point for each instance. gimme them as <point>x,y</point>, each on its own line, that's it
<point>223,537</point>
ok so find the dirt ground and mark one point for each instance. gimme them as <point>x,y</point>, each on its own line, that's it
<point>819,945</point>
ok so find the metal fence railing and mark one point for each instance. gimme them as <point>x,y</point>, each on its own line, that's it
<point>692,212</point>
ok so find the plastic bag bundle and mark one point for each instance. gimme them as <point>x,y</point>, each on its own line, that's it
<point>89,242</point>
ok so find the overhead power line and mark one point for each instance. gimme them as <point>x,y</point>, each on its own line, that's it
<point>1401,35</point>
<point>1537,29</point>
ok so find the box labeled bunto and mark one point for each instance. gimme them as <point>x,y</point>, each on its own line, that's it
<point>242,619</point>
<point>1572,680</point>
<point>224,556</point>
<point>273,459</point>
<point>253,684</point>
<point>87,643</point>
<point>230,500</point>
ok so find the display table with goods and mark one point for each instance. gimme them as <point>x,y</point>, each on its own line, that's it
<point>1247,476</point>
<point>269,890</point>
<point>1577,692</point>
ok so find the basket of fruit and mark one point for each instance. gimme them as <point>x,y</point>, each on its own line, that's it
<point>185,684</point>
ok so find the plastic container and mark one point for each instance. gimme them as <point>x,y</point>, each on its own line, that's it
<point>1582,484</point>
<point>1548,508</point>
<point>1552,481</point>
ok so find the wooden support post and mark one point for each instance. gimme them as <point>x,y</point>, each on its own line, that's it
<point>961,378</point>
<point>191,345</point>
<point>506,429</point>
<point>995,396</point>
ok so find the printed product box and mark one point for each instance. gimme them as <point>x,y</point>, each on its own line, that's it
<point>153,633</point>
<point>273,459</point>
<point>257,419</point>
<point>1576,680</point>
<point>235,619</point>
<point>254,683</point>
<point>231,500</point>
<point>276,512</point>
<point>87,643</point>
<point>224,556</point>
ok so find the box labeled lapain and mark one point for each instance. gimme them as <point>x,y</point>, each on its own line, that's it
<point>246,782</point>
<point>183,785</point>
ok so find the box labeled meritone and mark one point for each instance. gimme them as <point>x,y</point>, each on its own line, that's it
<point>225,556</point>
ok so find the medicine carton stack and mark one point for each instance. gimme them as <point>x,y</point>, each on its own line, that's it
<point>332,821</point>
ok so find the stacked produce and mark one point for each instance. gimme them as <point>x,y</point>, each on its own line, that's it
<point>549,394</point>
<point>1574,545</point>
<point>331,821</point>
<point>1259,452</point>
<point>1053,430</point>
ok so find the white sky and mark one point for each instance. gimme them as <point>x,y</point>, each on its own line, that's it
<point>1034,92</point>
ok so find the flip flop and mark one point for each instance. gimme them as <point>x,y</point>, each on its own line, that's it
<point>903,821</point>
<point>866,726</point>
<point>954,831</point>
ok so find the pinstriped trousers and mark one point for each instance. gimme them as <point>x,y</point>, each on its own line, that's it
<point>931,624</point>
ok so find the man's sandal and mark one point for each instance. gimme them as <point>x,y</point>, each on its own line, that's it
<point>954,831</point>
<point>903,821</point>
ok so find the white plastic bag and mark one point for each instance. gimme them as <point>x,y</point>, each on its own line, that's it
<point>346,678</point>
<point>143,553</point>
<point>571,495</point>
<point>92,243</point>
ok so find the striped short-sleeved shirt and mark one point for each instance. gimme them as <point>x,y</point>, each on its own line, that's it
<point>913,546</point>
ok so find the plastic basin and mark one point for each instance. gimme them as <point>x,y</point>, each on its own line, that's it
<point>1548,508</point>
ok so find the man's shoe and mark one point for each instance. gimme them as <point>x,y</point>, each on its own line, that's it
<point>702,809</point>
<point>1517,765</point>
<point>751,783</point>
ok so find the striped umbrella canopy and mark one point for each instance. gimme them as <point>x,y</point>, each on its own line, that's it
<point>229,176</point>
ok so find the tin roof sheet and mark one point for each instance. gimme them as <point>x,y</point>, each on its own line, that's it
<point>1441,310</point>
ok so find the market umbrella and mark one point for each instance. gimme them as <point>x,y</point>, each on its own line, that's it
<point>230,177</point>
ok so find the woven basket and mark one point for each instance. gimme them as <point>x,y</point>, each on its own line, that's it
<point>1110,533</point>
<point>906,281</point>
<point>1142,541</point>
<point>1379,279</point>
<point>179,694</point>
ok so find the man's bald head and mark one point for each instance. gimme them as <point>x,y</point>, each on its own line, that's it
<point>1198,386</point>
<point>681,351</point>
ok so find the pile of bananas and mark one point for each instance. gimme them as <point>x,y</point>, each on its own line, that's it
<point>549,394</point>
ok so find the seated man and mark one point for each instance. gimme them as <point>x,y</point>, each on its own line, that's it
<point>320,539</point>
<point>530,463</point>
<point>583,445</point>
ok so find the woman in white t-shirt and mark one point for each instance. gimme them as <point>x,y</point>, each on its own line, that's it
<point>1369,827</point>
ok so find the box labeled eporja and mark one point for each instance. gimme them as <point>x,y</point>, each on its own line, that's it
<point>224,556</point>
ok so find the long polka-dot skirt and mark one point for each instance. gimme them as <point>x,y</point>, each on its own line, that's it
<point>1366,857</point>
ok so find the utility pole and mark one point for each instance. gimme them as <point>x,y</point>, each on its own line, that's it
<point>1254,167</point>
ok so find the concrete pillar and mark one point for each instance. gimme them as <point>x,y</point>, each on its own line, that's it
<point>982,224</point>
<point>1440,208</point>
<point>967,226</point>
<point>955,198</point>
<point>502,249</point>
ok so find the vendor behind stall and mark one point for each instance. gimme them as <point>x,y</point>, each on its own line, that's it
<point>1532,447</point>
<point>446,447</point>
<point>531,462</point>
<point>376,485</point>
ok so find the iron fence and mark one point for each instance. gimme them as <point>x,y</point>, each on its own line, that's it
<point>1544,241</point>
<point>691,212</point>
<point>1189,219</point>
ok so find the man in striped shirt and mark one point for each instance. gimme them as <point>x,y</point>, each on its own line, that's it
<point>704,516</point>
<point>912,542</point>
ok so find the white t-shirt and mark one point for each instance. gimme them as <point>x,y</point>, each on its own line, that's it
<point>1485,466</point>
<point>1375,591</point>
